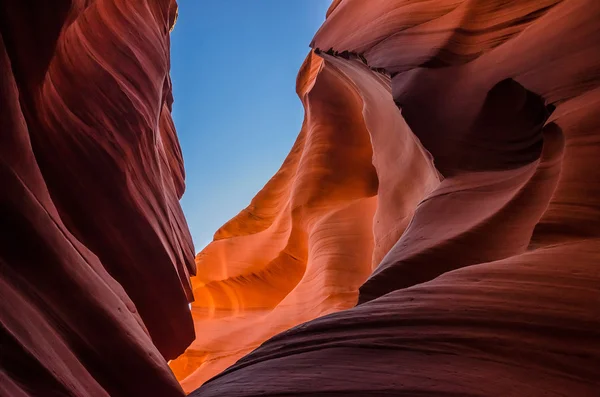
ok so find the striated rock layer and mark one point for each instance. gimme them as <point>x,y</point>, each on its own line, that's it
<point>444,191</point>
<point>95,254</point>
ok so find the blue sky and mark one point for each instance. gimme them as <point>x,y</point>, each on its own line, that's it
<point>233,66</point>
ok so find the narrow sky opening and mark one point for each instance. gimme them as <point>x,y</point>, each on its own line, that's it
<point>234,65</point>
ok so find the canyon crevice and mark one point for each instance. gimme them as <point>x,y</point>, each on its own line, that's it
<point>434,230</point>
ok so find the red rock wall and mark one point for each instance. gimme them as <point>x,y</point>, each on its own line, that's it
<point>95,254</point>
<point>485,279</point>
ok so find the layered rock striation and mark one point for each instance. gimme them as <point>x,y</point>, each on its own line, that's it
<point>95,254</point>
<point>470,268</point>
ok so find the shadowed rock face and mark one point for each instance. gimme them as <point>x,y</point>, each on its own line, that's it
<point>464,252</point>
<point>95,254</point>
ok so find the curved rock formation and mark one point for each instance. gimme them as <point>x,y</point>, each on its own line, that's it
<point>484,277</point>
<point>301,249</point>
<point>434,228</point>
<point>95,254</point>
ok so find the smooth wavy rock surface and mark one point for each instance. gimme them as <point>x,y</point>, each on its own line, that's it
<point>95,254</point>
<point>473,129</point>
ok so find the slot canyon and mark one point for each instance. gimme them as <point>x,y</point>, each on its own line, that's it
<point>433,231</point>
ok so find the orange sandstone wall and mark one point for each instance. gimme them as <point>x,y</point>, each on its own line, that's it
<point>444,192</point>
<point>95,254</point>
<point>305,244</point>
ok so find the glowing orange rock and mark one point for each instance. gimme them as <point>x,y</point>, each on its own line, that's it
<point>310,237</point>
<point>272,267</point>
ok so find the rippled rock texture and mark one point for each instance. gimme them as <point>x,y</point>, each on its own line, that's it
<point>95,254</point>
<point>444,192</point>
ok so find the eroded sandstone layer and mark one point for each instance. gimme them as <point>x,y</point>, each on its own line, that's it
<point>444,191</point>
<point>95,254</point>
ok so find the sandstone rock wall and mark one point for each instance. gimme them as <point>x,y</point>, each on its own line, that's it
<point>95,254</point>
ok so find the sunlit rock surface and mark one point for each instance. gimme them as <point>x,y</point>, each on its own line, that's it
<point>304,245</point>
<point>444,190</point>
<point>95,254</point>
